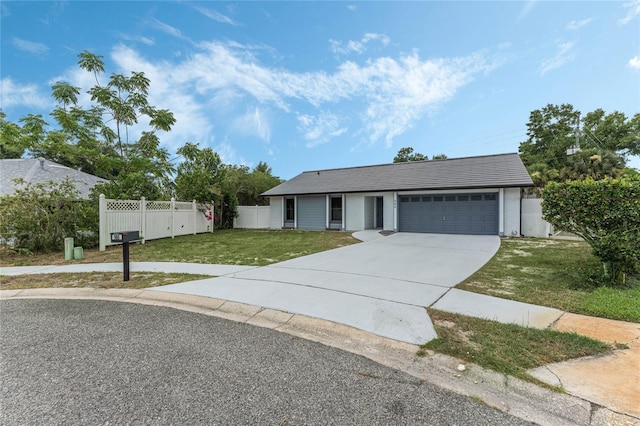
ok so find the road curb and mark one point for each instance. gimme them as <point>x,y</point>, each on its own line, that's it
<point>516,397</point>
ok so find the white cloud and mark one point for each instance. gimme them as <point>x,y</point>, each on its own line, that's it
<point>216,16</point>
<point>29,46</point>
<point>21,95</point>
<point>563,56</point>
<point>253,123</point>
<point>138,39</point>
<point>575,25</point>
<point>635,62</point>
<point>352,7</point>
<point>168,29</point>
<point>319,129</point>
<point>526,9</point>
<point>634,10</point>
<point>360,46</point>
<point>225,87</point>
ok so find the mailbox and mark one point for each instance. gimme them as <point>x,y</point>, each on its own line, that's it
<point>125,236</point>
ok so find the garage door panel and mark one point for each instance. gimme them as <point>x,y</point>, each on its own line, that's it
<point>449,213</point>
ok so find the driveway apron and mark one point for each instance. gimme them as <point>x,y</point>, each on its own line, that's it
<point>382,285</point>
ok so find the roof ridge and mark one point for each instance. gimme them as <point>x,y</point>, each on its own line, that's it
<point>409,162</point>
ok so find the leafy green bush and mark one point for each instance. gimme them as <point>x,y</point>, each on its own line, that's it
<point>39,217</point>
<point>606,213</point>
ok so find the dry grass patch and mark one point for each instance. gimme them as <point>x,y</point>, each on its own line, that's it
<point>506,348</point>
<point>94,280</point>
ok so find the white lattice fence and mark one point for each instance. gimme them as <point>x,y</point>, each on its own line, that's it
<point>153,219</point>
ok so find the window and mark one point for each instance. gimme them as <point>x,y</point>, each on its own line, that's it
<point>437,198</point>
<point>490,197</point>
<point>450,197</point>
<point>415,199</point>
<point>290,207</point>
<point>463,198</point>
<point>336,209</point>
<point>404,199</point>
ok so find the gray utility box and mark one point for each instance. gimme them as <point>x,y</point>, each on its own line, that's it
<point>125,236</point>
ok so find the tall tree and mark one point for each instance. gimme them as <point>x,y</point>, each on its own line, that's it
<point>104,138</point>
<point>12,142</point>
<point>604,140</point>
<point>550,132</point>
<point>406,155</point>
<point>200,174</point>
<point>612,132</point>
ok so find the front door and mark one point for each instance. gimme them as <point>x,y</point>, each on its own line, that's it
<point>379,212</point>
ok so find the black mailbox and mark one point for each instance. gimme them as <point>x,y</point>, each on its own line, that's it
<point>125,236</point>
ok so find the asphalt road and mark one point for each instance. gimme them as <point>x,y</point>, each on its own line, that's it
<point>97,362</point>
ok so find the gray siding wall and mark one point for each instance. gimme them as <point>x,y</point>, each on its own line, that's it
<point>312,212</point>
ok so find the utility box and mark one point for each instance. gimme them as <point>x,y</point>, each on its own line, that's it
<point>125,236</point>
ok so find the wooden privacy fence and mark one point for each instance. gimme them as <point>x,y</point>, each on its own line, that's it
<point>153,219</point>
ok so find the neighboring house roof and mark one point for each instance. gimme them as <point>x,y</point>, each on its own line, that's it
<point>490,171</point>
<point>39,170</point>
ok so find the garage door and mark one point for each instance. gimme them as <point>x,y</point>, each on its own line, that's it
<point>311,213</point>
<point>449,214</point>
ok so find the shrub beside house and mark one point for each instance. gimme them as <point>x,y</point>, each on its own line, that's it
<point>43,202</point>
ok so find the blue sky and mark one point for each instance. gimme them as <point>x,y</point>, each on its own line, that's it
<point>315,85</point>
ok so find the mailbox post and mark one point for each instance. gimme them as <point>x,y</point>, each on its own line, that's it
<point>125,237</point>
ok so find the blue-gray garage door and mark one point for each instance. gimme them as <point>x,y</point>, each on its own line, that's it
<point>475,214</point>
<point>312,213</point>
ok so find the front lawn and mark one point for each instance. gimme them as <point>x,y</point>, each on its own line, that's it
<point>228,247</point>
<point>554,273</point>
<point>506,348</point>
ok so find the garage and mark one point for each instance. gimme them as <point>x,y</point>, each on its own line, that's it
<point>475,214</point>
<point>312,213</point>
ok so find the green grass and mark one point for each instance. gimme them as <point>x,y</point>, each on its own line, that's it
<point>507,348</point>
<point>94,280</point>
<point>227,247</point>
<point>554,273</point>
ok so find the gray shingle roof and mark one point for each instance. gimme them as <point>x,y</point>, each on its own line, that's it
<point>32,172</point>
<point>490,171</point>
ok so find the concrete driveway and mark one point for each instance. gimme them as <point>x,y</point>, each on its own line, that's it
<point>381,285</point>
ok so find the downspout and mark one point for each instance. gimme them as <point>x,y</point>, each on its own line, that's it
<point>327,210</point>
<point>501,212</point>
<point>283,211</point>
<point>395,212</point>
<point>344,212</point>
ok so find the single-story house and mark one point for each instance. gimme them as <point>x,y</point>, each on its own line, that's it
<point>39,170</point>
<point>472,195</point>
